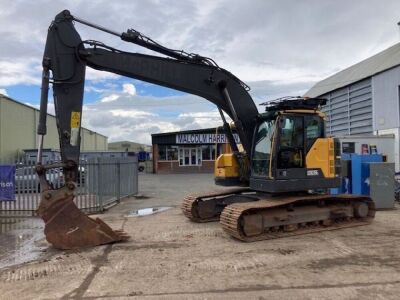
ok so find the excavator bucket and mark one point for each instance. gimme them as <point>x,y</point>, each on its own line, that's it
<point>66,227</point>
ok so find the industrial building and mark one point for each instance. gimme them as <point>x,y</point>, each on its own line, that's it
<point>191,151</point>
<point>18,123</point>
<point>128,146</point>
<point>364,99</point>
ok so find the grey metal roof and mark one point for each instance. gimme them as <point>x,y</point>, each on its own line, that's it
<point>382,61</point>
<point>204,130</point>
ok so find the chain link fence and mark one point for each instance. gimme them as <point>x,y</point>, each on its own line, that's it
<point>102,182</point>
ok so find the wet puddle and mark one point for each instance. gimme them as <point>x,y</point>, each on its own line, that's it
<point>148,211</point>
<point>19,239</point>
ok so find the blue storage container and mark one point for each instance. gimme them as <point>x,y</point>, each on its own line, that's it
<point>360,172</point>
<point>346,187</point>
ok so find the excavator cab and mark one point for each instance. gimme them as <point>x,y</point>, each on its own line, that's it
<point>290,151</point>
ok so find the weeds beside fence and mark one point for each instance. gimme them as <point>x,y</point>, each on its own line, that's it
<point>102,182</point>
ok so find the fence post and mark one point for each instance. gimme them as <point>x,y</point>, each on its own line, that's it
<point>135,176</point>
<point>119,180</point>
<point>100,183</point>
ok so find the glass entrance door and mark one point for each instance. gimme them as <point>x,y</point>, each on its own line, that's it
<point>190,157</point>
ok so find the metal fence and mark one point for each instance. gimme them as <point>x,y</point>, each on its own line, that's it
<point>102,182</point>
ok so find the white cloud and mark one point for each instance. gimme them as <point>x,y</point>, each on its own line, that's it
<point>193,120</point>
<point>99,76</point>
<point>4,92</point>
<point>266,90</point>
<point>131,113</point>
<point>18,72</point>
<point>129,89</point>
<point>109,98</point>
<point>50,107</point>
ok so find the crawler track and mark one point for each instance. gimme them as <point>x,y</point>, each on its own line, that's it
<point>203,208</point>
<point>254,217</point>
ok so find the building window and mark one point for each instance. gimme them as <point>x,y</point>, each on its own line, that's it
<point>167,152</point>
<point>206,152</point>
<point>162,152</point>
<point>172,152</point>
<point>219,151</point>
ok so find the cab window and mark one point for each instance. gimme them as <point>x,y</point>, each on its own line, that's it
<point>314,129</point>
<point>291,143</point>
<point>262,148</point>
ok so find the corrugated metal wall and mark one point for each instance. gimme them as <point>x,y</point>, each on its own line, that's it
<point>18,123</point>
<point>349,109</point>
<point>386,98</point>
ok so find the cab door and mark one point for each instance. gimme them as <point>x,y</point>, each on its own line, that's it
<point>290,153</point>
<point>262,152</point>
<point>296,135</point>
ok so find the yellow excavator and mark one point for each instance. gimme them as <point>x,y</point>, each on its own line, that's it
<point>283,171</point>
<point>291,167</point>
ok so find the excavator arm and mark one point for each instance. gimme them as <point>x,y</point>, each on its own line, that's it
<point>66,57</point>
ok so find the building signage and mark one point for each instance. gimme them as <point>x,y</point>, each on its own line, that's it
<point>204,138</point>
<point>7,182</point>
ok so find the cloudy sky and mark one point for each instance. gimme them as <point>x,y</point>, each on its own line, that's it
<point>278,47</point>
